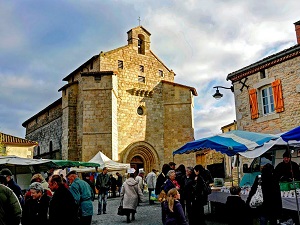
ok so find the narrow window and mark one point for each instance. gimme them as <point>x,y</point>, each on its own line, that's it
<point>262,74</point>
<point>92,65</point>
<point>141,44</point>
<point>141,79</point>
<point>120,64</point>
<point>267,100</point>
<point>38,150</point>
<point>142,68</point>
<point>50,147</point>
<point>161,73</point>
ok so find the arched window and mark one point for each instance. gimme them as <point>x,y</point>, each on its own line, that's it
<point>141,44</point>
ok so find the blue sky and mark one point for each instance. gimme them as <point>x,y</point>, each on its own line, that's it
<point>41,42</point>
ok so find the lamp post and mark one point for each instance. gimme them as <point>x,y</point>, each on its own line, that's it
<point>218,95</point>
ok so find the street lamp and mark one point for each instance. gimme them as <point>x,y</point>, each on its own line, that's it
<point>218,95</point>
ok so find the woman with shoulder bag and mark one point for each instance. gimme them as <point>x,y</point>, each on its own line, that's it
<point>272,204</point>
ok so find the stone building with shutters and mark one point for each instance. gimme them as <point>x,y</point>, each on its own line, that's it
<point>267,92</point>
<point>124,103</point>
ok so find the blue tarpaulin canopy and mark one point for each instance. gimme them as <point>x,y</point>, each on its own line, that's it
<point>229,143</point>
<point>292,135</point>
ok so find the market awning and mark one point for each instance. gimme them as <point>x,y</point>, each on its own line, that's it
<point>20,165</point>
<point>229,143</point>
<point>70,163</point>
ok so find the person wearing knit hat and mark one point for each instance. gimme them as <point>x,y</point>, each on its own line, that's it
<point>35,210</point>
<point>40,179</point>
<point>287,170</point>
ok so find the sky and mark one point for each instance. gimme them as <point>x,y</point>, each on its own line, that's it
<point>41,42</point>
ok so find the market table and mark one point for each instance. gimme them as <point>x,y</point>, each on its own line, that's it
<point>221,197</point>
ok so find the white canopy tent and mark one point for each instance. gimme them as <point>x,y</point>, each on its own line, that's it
<point>104,161</point>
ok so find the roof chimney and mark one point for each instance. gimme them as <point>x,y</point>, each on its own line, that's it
<point>297,29</point>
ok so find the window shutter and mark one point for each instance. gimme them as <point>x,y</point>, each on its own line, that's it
<point>253,103</point>
<point>277,94</point>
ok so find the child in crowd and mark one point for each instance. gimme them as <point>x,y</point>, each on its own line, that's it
<point>172,210</point>
<point>236,208</point>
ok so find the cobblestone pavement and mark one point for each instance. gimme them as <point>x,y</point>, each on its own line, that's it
<point>146,214</point>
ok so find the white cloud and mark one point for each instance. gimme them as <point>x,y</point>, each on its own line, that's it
<point>202,41</point>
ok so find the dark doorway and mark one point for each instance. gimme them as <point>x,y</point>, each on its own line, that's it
<point>137,163</point>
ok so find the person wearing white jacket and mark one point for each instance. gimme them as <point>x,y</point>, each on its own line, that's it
<point>151,183</point>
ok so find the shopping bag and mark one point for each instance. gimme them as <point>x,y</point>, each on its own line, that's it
<point>153,196</point>
<point>120,209</point>
<point>257,199</point>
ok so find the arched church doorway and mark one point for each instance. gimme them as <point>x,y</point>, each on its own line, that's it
<point>137,163</point>
<point>141,155</point>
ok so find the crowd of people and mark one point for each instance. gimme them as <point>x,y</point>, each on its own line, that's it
<point>182,193</point>
<point>49,203</point>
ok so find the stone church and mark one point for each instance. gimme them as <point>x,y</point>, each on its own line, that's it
<point>124,103</point>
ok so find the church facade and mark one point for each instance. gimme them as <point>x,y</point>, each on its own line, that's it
<point>124,103</point>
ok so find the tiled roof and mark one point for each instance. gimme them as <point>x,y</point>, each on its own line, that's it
<point>193,90</point>
<point>269,61</point>
<point>9,139</point>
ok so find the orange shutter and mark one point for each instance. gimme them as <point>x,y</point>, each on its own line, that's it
<point>253,103</point>
<point>277,95</point>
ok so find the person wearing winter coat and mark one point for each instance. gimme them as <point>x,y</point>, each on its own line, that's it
<point>188,190</point>
<point>38,178</point>
<point>10,208</point>
<point>13,185</point>
<point>180,174</point>
<point>131,194</point>
<point>102,185</point>
<point>161,178</point>
<point>140,179</point>
<point>272,204</point>
<point>62,208</point>
<point>35,210</point>
<point>151,182</point>
<point>171,182</point>
<point>199,198</point>
<point>236,208</point>
<point>82,194</point>
<point>172,209</point>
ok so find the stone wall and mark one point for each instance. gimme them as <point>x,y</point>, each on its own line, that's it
<point>50,132</point>
<point>289,74</point>
<point>178,123</point>
<point>100,107</point>
<point>96,100</point>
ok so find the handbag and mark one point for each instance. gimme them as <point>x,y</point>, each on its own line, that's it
<point>257,199</point>
<point>206,187</point>
<point>120,209</point>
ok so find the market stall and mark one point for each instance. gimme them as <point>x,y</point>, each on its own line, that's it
<point>248,144</point>
<point>104,161</point>
<point>24,168</point>
<point>221,197</point>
